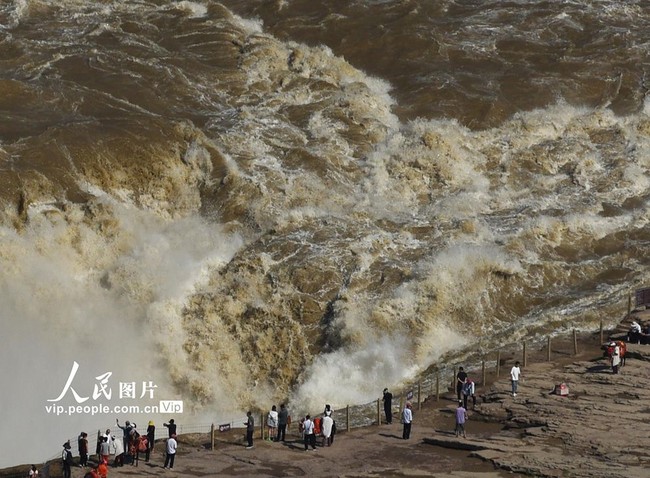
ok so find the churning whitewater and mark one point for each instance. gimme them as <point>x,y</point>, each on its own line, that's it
<point>241,216</point>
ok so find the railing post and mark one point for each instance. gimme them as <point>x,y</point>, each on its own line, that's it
<point>525,357</point>
<point>629,303</point>
<point>483,373</point>
<point>601,331</point>
<point>498,363</point>
<point>347,417</point>
<point>419,395</point>
<point>575,342</point>
<point>378,413</point>
<point>548,349</point>
<point>262,426</point>
<point>437,386</point>
<point>212,437</point>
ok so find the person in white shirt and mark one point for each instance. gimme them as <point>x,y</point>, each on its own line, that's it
<point>328,423</point>
<point>515,374</point>
<point>117,447</point>
<point>616,358</point>
<point>407,420</point>
<point>172,444</point>
<point>308,430</point>
<point>272,423</point>
<point>634,335</point>
<point>469,390</point>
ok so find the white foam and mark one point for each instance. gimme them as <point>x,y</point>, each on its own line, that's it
<point>193,9</point>
<point>73,293</point>
<point>18,10</point>
<point>353,376</point>
<point>251,26</point>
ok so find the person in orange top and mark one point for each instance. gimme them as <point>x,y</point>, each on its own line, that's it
<point>102,469</point>
<point>317,426</point>
<point>92,474</point>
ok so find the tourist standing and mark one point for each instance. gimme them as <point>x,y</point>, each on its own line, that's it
<point>118,450</point>
<point>388,406</point>
<point>407,420</point>
<point>105,450</point>
<point>616,358</point>
<point>515,374</point>
<point>172,445</point>
<point>460,381</point>
<point>461,418</point>
<point>33,472</point>
<point>272,423</point>
<point>250,429</point>
<point>82,444</point>
<point>328,423</point>
<point>66,458</point>
<point>469,390</point>
<point>171,427</point>
<point>151,437</point>
<point>127,429</point>
<point>309,435</point>
<point>283,420</point>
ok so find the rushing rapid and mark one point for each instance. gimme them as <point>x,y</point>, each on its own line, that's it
<point>250,202</point>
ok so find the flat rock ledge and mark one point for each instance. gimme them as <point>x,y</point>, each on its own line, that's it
<point>601,429</point>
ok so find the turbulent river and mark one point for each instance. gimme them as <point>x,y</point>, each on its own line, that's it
<point>239,203</point>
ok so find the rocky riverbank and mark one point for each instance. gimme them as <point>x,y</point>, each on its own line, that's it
<point>601,428</point>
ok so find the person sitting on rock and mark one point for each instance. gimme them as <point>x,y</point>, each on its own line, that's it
<point>645,333</point>
<point>634,334</point>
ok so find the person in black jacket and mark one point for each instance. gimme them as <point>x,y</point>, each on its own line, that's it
<point>283,421</point>
<point>460,382</point>
<point>66,458</point>
<point>171,426</point>
<point>388,406</point>
<point>151,436</point>
<point>82,443</point>
<point>127,429</point>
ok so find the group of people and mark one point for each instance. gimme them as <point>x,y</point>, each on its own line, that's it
<point>133,443</point>
<point>126,449</point>
<point>407,413</point>
<point>465,388</point>
<point>322,426</point>
<point>99,471</point>
<point>278,421</point>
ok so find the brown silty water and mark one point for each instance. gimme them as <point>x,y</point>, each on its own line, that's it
<point>289,201</point>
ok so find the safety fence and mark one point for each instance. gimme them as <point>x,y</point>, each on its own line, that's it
<point>438,382</point>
